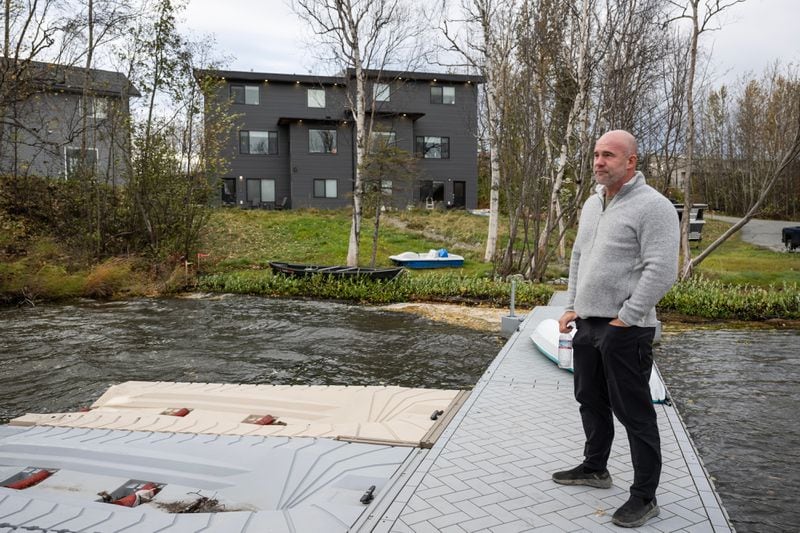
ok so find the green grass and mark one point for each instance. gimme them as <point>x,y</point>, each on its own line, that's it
<point>738,281</point>
<point>239,239</point>
<point>449,287</point>
<point>739,263</point>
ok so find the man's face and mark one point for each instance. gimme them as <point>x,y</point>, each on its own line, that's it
<point>612,163</point>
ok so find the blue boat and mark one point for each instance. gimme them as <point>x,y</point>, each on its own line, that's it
<point>432,259</point>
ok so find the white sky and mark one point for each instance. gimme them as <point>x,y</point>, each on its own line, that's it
<point>265,36</point>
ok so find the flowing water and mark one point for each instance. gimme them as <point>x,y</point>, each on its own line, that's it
<point>736,390</point>
<point>56,358</point>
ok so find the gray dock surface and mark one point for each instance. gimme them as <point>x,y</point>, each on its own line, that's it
<point>490,470</point>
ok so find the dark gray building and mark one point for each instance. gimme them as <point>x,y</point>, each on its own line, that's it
<point>294,140</point>
<point>43,130</point>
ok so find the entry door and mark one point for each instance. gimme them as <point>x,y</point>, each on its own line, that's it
<point>459,193</point>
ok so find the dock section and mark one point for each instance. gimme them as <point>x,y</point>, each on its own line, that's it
<point>491,468</point>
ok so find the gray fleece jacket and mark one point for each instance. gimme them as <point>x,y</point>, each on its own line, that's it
<point>625,257</point>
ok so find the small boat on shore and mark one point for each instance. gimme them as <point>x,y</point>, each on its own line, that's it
<point>301,270</point>
<point>432,259</point>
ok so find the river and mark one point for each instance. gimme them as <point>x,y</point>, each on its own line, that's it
<point>736,389</point>
<point>738,392</point>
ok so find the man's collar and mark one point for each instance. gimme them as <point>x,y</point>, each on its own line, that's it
<point>637,178</point>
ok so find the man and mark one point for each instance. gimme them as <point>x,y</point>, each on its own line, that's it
<point>624,260</point>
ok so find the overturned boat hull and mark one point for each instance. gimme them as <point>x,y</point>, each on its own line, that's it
<point>344,272</point>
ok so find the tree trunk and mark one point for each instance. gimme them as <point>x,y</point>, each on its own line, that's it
<point>355,226</point>
<point>375,235</point>
<point>686,252</point>
<point>494,164</point>
<point>7,30</point>
<point>789,157</point>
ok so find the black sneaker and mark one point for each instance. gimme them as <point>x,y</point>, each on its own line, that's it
<point>635,512</point>
<point>579,476</point>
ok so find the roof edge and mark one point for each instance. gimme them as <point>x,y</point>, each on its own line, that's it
<point>385,75</point>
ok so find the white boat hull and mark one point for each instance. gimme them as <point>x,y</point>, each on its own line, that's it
<point>545,337</point>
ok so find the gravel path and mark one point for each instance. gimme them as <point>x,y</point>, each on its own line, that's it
<point>764,233</point>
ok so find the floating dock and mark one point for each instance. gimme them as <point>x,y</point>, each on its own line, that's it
<point>362,459</point>
<point>491,468</point>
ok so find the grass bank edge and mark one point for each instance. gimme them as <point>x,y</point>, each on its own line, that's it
<point>698,297</point>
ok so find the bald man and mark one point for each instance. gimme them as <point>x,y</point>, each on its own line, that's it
<point>624,260</point>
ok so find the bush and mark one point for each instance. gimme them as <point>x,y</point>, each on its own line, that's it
<point>108,278</point>
<point>438,287</point>
<point>712,299</point>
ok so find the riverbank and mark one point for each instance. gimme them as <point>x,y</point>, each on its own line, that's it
<point>737,282</point>
<point>488,318</point>
<point>477,318</point>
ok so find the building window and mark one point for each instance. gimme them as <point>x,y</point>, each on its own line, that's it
<point>322,141</point>
<point>97,108</point>
<point>260,192</point>
<point>383,92</point>
<point>316,98</point>
<point>433,147</point>
<point>386,187</point>
<point>431,189</point>
<point>326,188</point>
<point>443,95</point>
<point>229,191</point>
<point>381,139</point>
<point>244,94</point>
<point>77,161</point>
<point>258,142</point>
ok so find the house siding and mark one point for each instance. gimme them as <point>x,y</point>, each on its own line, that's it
<point>40,128</point>
<point>283,108</point>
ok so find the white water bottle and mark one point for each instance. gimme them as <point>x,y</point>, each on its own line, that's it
<point>565,350</point>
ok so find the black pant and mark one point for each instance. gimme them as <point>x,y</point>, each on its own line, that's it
<point>612,373</point>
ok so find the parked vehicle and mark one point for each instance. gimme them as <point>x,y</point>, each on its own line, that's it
<point>791,237</point>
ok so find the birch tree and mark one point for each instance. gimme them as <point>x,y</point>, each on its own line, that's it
<point>581,42</point>
<point>701,18</point>
<point>362,37</point>
<point>789,158</point>
<point>490,54</point>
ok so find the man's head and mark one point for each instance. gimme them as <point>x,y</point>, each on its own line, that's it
<point>614,160</point>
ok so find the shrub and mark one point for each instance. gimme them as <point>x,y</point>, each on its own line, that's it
<point>108,278</point>
<point>438,287</point>
<point>705,298</point>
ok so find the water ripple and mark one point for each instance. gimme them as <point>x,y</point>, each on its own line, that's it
<point>57,358</point>
<point>738,392</point>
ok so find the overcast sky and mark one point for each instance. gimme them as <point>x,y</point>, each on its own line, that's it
<point>266,36</point>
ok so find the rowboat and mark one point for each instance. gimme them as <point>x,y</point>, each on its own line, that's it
<point>432,259</point>
<point>300,270</point>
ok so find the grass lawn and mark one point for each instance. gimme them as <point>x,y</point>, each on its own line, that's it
<point>245,239</point>
<point>241,239</point>
<point>740,263</point>
<point>240,243</point>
